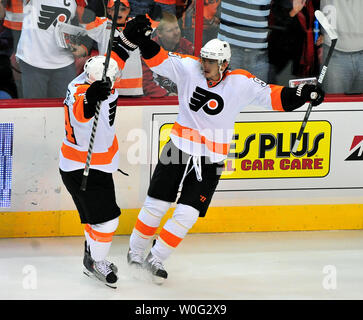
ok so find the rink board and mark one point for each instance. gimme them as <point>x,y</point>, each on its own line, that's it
<point>263,188</point>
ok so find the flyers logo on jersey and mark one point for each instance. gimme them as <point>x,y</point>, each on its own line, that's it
<point>50,15</point>
<point>210,102</point>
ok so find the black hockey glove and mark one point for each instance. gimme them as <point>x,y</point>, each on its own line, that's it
<point>137,31</point>
<point>97,91</point>
<point>315,94</point>
<point>293,98</point>
<point>119,46</point>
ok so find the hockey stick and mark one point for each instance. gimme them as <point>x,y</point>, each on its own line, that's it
<point>97,112</point>
<point>334,38</point>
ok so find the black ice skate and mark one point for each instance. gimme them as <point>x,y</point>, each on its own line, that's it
<point>88,261</point>
<point>156,268</point>
<point>104,270</point>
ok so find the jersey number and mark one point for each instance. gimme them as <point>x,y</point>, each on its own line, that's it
<point>69,129</point>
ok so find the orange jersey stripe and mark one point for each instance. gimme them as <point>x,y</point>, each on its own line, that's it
<point>15,6</point>
<point>13,25</point>
<point>194,135</point>
<point>145,229</point>
<point>98,236</point>
<point>100,158</point>
<point>157,59</point>
<point>170,239</point>
<point>128,83</point>
<point>120,62</point>
<point>170,2</point>
<point>95,23</point>
<point>241,72</point>
<point>276,97</point>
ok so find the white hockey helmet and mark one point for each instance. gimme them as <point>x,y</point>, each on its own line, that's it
<point>94,66</point>
<point>217,50</point>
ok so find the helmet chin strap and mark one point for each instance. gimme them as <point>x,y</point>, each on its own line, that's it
<point>212,83</point>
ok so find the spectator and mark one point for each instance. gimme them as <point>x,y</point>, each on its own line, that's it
<point>291,41</point>
<point>98,7</point>
<point>345,72</point>
<point>146,6</point>
<point>130,83</point>
<point>168,35</point>
<point>47,68</point>
<point>7,84</point>
<point>211,20</point>
<point>13,20</point>
<point>2,12</point>
<point>244,24</point>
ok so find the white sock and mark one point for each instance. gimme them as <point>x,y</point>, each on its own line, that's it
<point>147,223</point>
<point>99,238</point>
<point>174,231</point>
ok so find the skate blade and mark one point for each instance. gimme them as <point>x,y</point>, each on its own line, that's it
<point>157,280</point>
<point>92,276</point>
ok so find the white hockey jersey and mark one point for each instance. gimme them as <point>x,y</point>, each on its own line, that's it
<point>130,82</point>
<point>205,123</point>
<point>73,153</point>
<point>37,45</point>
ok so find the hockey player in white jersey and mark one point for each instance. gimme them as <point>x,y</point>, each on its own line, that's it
<point>97,205</point>
<point>210,98</point>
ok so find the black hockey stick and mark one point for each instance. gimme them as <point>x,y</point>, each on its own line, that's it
<point>334,38</point>
<point>97,113</point>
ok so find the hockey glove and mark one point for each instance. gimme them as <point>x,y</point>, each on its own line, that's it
<point>97,91</point>
<point>119,47</point>
<point>137,31</point>
<point>293,98</point>
<point>316,95</point>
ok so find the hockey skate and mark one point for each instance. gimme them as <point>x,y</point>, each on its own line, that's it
<point>104,270</point>
<point>88,261</point>
<point>155,268</point>
<point>136,260</point>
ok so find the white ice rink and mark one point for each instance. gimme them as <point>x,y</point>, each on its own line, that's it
<point>239,266</point>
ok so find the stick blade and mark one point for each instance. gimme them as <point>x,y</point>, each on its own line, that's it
<point>326,25</point>
<point>296,145</point>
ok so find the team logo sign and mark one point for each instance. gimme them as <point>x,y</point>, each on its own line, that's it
<point>263,150</point>
<point>356,149</point>
<point>210,102</point>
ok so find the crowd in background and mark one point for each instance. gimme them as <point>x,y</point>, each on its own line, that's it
<point>276,40</point>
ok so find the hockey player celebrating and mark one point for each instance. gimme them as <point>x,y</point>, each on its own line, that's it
<point>210,98</point>
<point>97,205</point>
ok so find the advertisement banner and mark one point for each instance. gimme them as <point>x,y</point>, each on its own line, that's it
<point>329,156</point>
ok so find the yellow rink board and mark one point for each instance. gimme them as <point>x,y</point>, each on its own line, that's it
<point>218,219</point>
